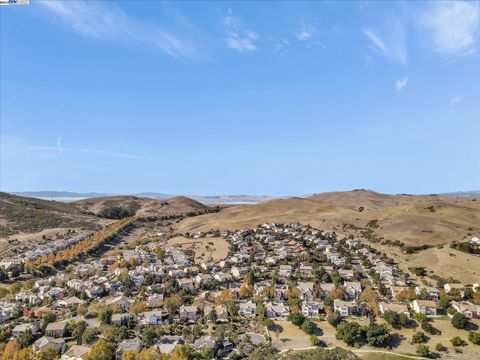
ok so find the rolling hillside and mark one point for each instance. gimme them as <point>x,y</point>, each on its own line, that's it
<point>141,205</point>
<point>29,215</point>
<point>411,219</point>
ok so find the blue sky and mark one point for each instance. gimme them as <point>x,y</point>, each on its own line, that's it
<point>240,98</point>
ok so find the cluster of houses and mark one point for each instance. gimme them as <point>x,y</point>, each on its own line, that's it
<point>286,280</point>
<point>44,250</point>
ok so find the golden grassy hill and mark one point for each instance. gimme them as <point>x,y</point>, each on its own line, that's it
<point>413,220</point>
<point>141,205</point>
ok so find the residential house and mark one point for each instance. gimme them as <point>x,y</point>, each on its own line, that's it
<point>449,287</point>
<point>345,308</point>
<point>277,310</point>
<point>427,307</point>
<point>76,352</point>
<point>121,319</point>
<point>467,308</point>
<point>22,328</point>
<point>56,329</point>
<point>353,289</point>
<point>247,309</point>
<point>221,313</point>
<point>69,302</point>
<point>396,308</point>
<point>311,309</point>
<point>127,345</point>
<point>168,342</point>
<point>188,313</point>
<point>46,342</point>
<point>205,342</point>
<point>285,270</point>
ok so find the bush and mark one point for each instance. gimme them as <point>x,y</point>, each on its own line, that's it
<point>268,323</point>
<point>440,347</point>
<point>457,341</point>
<point>296,318</point>
<point>427,327</point>
<point>474,337</point>
<point>334,319</point>
<point>459,321</point>
<point>419,337</point>
<point>309,327</point>
<point>315,341</point>
<point>423,350</point>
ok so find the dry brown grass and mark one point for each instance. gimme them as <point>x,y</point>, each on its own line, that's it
<point>206,249</point>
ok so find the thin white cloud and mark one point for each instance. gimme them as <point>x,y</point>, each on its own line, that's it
<point>305,33</point>
<point>59,144</point>
<point>392,41</point>
<point>13,146</point>
<point>401,83</point>
<point>375,40</point>
<point>454,27</point>
<point>109,23</point>
<point>455,100</point>
<point>238,38</point>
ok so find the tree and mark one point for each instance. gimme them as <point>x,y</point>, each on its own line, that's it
<point>474,337</point>
<point>78,331</point>
<point>419,337</point>
<point>25,338</point>
<point>423,350</point>
<point>459,321</point>
<point>101,350</point>
<point>173,303</point>
<point>148,336</point>
<point>296,318</point>
<point>11,349</point>
<point>378,335</point>
<point>105,315</point>
<point>89,335</point>
<point>457,341</point>
<point>260,311</point>
<point>349,332</point>
<point>394,319</point>
<point>47,353</point>
<point>47,318</point>
<point>309,327</point>
<point>440,347</point>
<point>334,319</point>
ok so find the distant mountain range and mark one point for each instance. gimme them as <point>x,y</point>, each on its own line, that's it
<point>67,196</point>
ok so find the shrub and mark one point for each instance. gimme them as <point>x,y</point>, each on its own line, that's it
<point>457,341</point>
<point>419,337</point>
<point>309,327</point>
<point>423,350</point>
<point>440,347</point>
<point>334,319</point>
<point>459,321</point>
<point>474,337</point>
<point>296,318</point>
<point>427,327</point>
<point>315,341</point>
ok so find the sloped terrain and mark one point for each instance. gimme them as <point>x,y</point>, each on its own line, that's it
<point>142,205</point>
<point>29,215</point>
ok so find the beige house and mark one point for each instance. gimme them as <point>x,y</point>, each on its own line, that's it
<point>427,307</point>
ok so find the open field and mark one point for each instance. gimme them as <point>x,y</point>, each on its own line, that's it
<point>469,351</point>
<point>206,249</point>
